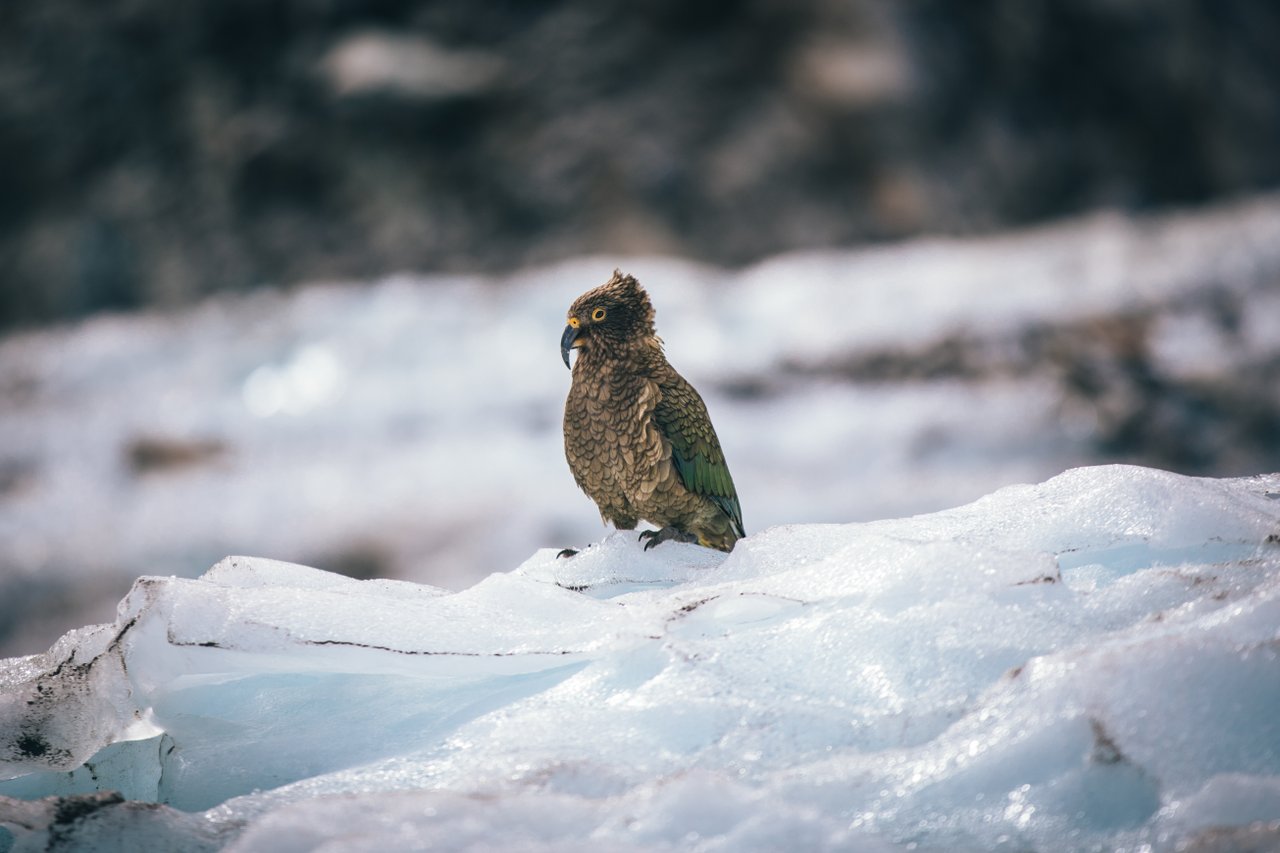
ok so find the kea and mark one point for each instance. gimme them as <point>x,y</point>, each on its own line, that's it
<point>636,434</point>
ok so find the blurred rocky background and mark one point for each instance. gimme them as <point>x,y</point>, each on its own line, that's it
<point>910,251</point>
<point>153,152</point>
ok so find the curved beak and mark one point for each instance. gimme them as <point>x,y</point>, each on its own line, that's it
<point>567,342</point>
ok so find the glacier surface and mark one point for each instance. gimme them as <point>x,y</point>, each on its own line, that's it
<point>1092,662</point>
<point>382,428</point>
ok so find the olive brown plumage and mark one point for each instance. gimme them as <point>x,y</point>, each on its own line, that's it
<point>636,434</point>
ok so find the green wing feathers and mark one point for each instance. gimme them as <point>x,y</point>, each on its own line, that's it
<point>695,450</point>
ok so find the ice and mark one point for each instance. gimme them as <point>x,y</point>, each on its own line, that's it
<point>410,427</point>
<point>1091,662</point>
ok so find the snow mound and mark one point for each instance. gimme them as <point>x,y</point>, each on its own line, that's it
<point>1089,662</point>
<point>380,428</point>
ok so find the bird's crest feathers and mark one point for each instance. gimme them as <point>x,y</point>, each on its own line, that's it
<point>623,295</point>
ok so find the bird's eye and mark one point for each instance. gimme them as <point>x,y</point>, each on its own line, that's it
<point>598,315</point>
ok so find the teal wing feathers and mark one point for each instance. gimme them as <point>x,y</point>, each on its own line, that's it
<point>695,450</point>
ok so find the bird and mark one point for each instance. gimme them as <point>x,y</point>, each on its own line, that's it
<point>637,435</point>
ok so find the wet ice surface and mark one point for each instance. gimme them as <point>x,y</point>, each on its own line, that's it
<point>1088,663</point>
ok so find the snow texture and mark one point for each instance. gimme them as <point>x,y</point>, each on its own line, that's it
<point>411,428</point>
<point>1088,663</point>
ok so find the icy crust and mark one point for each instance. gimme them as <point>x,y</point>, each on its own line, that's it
<point>1086,663</point>
<point>352,425</point>
<point>60,706</point>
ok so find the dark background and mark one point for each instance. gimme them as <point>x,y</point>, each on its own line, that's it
<point>152,152</point>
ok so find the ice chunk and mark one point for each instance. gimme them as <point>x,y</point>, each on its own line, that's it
<point>1090,662</point>
<point>60,707</point>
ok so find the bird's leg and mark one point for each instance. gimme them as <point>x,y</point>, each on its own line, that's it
<point>657,537</point>
<point>566,552</point>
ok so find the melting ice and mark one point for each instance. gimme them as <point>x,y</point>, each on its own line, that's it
<point>1088,663</point>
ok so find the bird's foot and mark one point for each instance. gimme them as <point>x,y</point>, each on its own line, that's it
<point>566,552</point>
<point>651,538</point>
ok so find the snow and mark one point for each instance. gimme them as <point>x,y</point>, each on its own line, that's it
<point>1091,662</point>
<point>411,427</point>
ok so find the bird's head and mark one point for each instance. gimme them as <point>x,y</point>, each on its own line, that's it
<point>609,319</point>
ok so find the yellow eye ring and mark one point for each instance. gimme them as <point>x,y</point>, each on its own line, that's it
<point>597,315</point>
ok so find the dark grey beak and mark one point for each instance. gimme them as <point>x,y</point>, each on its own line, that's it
<point>566,343</point>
